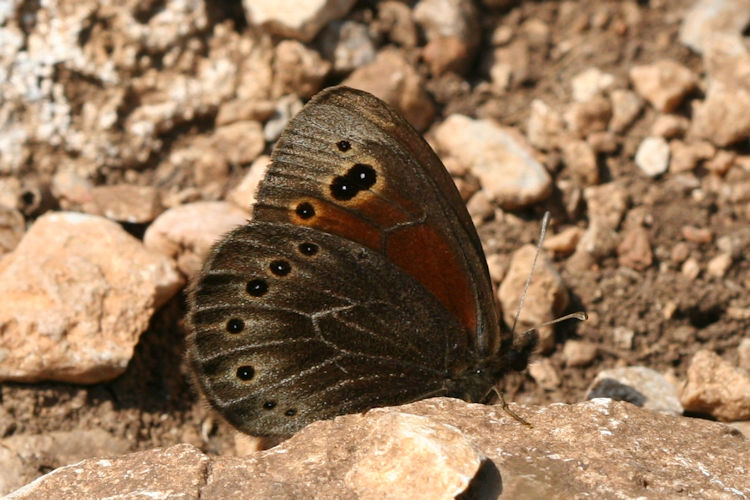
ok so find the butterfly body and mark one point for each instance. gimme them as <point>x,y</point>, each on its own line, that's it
<point>360,282</point>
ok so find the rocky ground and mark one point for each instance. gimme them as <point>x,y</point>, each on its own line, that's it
<point>152,121</point>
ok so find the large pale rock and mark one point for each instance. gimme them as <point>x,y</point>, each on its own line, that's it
<point>294,18</point>
<point>716,387</point>
<point>433,448</point>
<point>12,227</point>
<point>498,156</point>
<point>22,456</point>
<point>708,19</point>
<point>187,232</point>
<point>76,294</point>
<point>724,116</point>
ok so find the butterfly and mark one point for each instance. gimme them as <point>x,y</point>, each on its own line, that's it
<point>360,282</point>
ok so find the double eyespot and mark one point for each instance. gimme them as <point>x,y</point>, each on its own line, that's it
<point>359,177</point>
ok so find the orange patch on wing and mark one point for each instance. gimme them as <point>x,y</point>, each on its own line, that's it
<point>425,254</point>
<point>332,219</point>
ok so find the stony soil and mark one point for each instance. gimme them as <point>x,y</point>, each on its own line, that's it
<point>154,404</point>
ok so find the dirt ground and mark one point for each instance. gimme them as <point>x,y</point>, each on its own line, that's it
<point>154,404</point>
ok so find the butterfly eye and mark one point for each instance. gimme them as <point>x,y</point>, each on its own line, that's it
<point>344,146</point>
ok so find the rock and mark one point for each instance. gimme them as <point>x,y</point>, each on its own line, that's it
<point>635,250</point>
<point>607,204</point>
<point>603,142</point>
<point>391,78</point>
<point>285,109</point>
<point>685,157</point>
<point>708,19</point>
<point>622,337</point>
<point>480,207</point>
<point>498,156</point>
<point>209,167</point>
<point>579,353</point>
<point>293,19</point>
<point>510,66</point>
<point>545,126</point>
<point>680,252</point>
<point>652,156</point>
<point>564,242</point>
<point>691,269</point>
<point>721,163</point>
<point>579,156</point>
<point>25,455</point>
<point>717,388</point>
<point>77,292</point>
<point>187,232</point>
<point>348,45</point>
<point>243,195</point>
<point>544,374</point>
<point>452,30</point>
<point>590,83</point>
<point>670,126</point>
<point>396,19</point>
<point>12,227</point>
<point>151,471</point>
<point>638,385</point>
<point>724,116</point>
<point>596,243</point>
<point>546,297</point>
<point>584,118</point>
<point>442,442</point>
<point>626,106</point>
<point>697,234</point>
<point>240,142</point>
<point>664,83</point>
<point>125,203</point>
<point>719,265</point>
<point>498,267</point>
<point>297,70</point>
<point>743,351</point>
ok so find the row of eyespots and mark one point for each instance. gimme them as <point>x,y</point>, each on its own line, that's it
<point>246,373</point>
<point>258,288</point>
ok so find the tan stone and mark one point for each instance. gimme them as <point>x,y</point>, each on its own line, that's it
<point>433,448</point>
<point>187,232</point>
<point>664,83</point>
<point>498,156</point>
<point>716,387</point>
<point>77,292</point>
<point>391,78</point>
<point>125,203</point>
<point>546,298</point>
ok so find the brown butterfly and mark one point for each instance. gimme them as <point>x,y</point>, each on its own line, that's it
<point>360,282</point>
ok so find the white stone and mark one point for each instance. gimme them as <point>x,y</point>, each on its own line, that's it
<point>652,156</point>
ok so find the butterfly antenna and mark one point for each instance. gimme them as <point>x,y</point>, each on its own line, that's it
<point>543,232</point>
